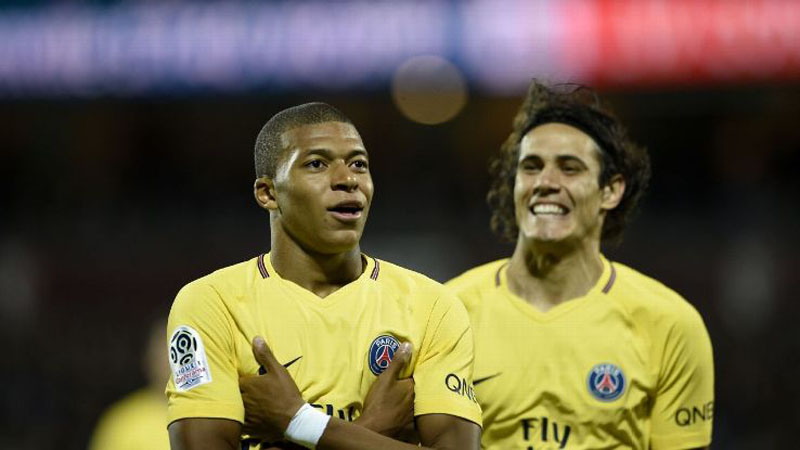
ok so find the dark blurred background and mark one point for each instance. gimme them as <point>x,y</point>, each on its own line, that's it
<point>126,167</point>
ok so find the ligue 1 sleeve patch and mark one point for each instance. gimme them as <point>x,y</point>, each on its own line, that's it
<point>187,359</point>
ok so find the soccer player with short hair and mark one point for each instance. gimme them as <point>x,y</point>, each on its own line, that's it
<point>575,351</point>
<point>315,317</point>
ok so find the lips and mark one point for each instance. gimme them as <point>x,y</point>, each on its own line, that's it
<point>347,211</point>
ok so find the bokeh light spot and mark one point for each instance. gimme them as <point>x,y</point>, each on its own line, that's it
<point>429,89</point>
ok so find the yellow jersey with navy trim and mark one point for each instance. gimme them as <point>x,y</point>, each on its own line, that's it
<point>627,366</point>
<point>334,347</point>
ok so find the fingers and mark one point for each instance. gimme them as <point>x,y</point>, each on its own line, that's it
<point>263,354</point>
<point>400,360</point>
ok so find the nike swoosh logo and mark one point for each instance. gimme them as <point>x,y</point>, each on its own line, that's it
<point>481,380</point>
<point>292,362</point>
<point>262,370</point>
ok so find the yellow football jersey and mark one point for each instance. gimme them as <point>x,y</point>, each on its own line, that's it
<point>334,347</point>
<point>136,422</point>
<point>627,366</point>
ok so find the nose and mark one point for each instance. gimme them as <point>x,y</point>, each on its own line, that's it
<point>547,182</point>
<point>343,179</point>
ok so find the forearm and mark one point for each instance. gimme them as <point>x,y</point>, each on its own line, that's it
<point>437,431</point>
<point>343,435</point>
<point>204,434</point>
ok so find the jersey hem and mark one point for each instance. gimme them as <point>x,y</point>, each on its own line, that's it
<point>433,405</point>
<point>680,441</point>
<point>208,410</point>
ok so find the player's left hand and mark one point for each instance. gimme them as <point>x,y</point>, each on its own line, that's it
<point>389,405</point>
<point>270,400</point>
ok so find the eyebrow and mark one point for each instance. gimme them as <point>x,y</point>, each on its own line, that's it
<point>328,153</point>
<point>558,157</point>
<point>565,158</point>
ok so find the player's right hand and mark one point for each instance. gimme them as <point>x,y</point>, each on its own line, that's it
<point>270,400</point>
<point>389,406</point>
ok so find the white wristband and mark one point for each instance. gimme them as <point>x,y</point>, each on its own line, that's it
<point>307,426</point>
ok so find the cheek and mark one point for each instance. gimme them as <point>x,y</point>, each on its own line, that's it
<point>298,200</point>
<point>368,189</point>
<point>590,197</point>
<point>521,190</point>
<point>521,196</point>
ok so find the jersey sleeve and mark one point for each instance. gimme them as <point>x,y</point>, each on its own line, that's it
<point>684,405</point>
<point>204,379</point>
<point>443,372</point>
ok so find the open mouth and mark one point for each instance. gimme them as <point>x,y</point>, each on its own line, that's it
<point>347,211</point>
<point>549,209</point>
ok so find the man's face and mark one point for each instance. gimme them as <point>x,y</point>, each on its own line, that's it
<point>323,187</point>
<point>557,196</point>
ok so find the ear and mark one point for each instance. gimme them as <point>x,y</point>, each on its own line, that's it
<point>612,193</point>
<point>264,192</point>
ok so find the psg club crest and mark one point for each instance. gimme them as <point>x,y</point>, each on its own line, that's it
<point>606,382</point>
<point>381,352</point>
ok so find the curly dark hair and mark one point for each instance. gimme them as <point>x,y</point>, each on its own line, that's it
<point>580,107</point>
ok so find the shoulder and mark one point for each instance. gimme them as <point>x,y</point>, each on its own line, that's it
<point>470,285</point>
<point>131,408</point>
<point>410,284</point>
<point>397,277</point>
<point>648,299</point>
<point>221,285</point>
<point>483,275</point>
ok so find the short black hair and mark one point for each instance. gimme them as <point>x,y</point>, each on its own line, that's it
<point>580,107</point>
<point>268,143</point>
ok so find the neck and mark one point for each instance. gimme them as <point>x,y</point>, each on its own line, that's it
<point>319,273</point>
<point>548,274</point>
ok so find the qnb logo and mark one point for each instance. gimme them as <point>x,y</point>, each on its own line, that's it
<point>606,382</point>
<point>685,417</point>
<point>381,352</point>
<point>460,386</point>
<point>182,347</point>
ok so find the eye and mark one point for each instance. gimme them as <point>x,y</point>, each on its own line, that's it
<point>360,164</point>
<point>571,168</point>
<point>530,166</point>
<point>315,164</point>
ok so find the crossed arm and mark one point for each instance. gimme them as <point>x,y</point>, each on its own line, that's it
<point>267,419</point>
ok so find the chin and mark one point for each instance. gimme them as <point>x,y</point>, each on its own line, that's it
<point>341,241</point>
<point>548,236</point>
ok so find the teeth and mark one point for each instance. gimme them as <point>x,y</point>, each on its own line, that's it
<point>548,209</point>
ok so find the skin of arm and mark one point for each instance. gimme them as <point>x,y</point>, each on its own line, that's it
<point>204,434</point>
<point>437,431</point>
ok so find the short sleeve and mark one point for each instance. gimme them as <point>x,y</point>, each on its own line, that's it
<point>204,380</point>
<point>443,373</point>
<point>684,405</point>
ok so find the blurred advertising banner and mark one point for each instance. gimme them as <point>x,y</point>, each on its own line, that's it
<point>682,41</point>
<point>154,48</point>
